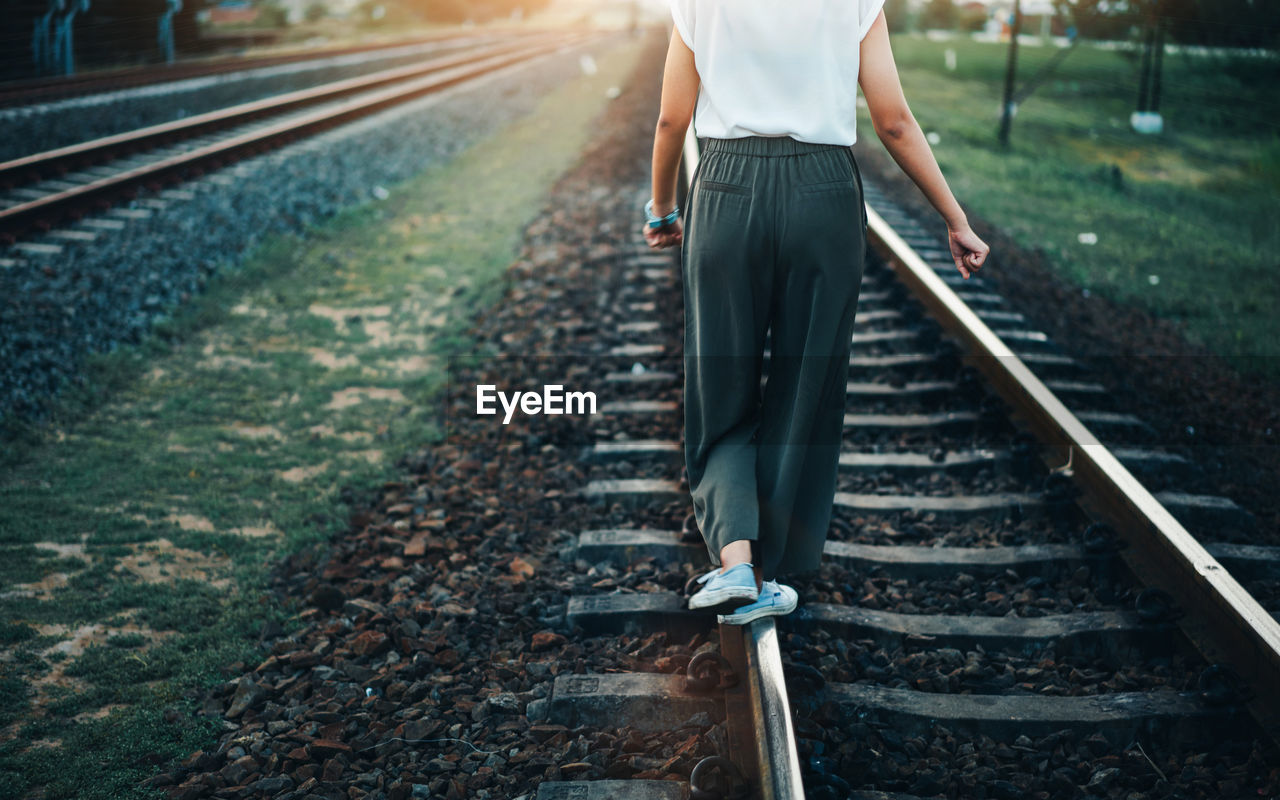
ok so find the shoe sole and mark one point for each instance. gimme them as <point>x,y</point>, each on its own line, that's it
<point>755,614</point>
<point>714,597</point>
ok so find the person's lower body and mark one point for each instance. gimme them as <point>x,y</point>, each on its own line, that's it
<point>775,236</point>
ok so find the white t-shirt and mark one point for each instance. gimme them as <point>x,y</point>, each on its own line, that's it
<point>776,69</point>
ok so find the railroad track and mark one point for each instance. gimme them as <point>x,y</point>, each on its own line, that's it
<point>25,92</point>
<point>1000,594</point>
<point>41,190</point>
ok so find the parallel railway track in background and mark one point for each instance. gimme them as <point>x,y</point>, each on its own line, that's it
<point>39,191</point>
<point>24,92</point>
<point>1102,620</point>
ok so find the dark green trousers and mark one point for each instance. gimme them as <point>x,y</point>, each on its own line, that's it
<point>775,235</point>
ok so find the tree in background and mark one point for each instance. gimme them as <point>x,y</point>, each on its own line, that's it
<point>316,11</point>
<point>897,15</point>
<point>272,15</point>
<point>972,19</point>
<point>940,14</point>
<point>1221,23</point>
<point>1096,19</point>
<point>1213,23</point>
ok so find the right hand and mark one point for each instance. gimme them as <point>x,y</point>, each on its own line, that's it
<point>969,252</point>
<point>667,236</point>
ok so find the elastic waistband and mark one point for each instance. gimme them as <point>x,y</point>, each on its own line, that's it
<point>766,146</point>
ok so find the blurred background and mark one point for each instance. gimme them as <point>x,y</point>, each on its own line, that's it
<point>118,32</point>
<point>110,33</point>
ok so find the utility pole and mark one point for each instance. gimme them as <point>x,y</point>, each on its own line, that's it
<point>1158,68</point>
<point>1144,69</point>
<point>1008,107</point>
<point>1147,118</point>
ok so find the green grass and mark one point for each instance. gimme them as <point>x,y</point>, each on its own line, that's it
<point>156,502</point>
<point>1195,207</point>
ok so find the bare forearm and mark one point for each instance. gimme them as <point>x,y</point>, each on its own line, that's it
<point>897,128</point>
<point>905,141</point>
<point>668,142</point>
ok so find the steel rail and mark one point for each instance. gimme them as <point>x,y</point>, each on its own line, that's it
<point>15,218</point>
<point>100,149</point>
<point>776,758</point>
<point>1225,622</point>
<point>21,92</point>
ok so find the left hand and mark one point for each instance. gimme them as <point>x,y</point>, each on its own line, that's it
<point>968,251</point>
<point>667,236</point>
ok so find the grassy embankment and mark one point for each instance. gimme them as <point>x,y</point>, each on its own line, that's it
<point>1187,222</point>
<point>136,535</point>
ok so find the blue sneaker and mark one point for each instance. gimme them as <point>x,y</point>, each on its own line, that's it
<point>775,599</point>
<point>724,586</point>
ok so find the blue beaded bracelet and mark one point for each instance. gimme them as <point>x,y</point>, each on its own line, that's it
<point>658,222</point>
